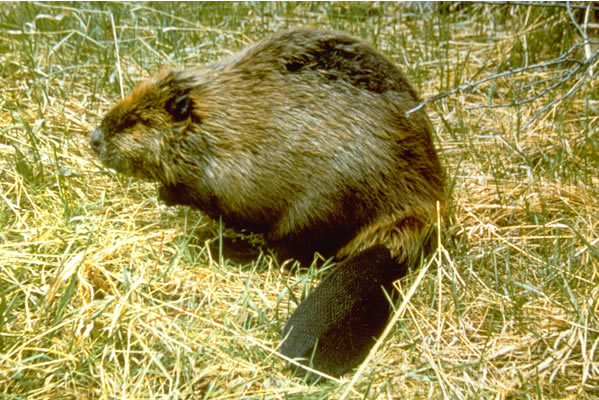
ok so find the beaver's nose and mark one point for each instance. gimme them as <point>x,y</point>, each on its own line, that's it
<point>96,139</point>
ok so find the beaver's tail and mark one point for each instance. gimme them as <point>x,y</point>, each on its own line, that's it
<point>337,324</point>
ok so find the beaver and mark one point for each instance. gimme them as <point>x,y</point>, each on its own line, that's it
<point>304,137</point>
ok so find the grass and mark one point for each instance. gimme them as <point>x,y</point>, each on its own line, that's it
<point>104,293</point>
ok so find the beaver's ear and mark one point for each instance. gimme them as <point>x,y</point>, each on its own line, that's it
<point>177,101</point>
<point>179,106</point>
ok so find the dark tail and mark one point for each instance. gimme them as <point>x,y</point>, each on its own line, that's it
<point>337,324</point>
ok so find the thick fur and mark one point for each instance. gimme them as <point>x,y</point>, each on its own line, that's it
<point>302,136</point>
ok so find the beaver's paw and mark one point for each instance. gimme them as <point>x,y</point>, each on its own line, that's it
<point>337,324</point>
<point>173,195</point>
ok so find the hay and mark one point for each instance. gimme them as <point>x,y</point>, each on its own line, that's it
<point>105,293</point>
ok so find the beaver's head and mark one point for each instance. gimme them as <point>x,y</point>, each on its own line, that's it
<point>133,135</point>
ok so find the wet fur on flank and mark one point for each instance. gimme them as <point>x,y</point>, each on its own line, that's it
<point>303,137</point>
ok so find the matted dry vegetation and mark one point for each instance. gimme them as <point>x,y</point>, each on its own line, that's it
<point>105,293</point>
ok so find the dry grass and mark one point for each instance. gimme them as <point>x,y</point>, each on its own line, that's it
<point>104,293</point>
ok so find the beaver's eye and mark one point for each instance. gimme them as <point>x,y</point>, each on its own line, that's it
<point>127,122</point>
<point>294,66</point>
<point>116,122</point>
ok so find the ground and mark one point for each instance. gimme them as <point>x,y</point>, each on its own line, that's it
<point>106,293</point>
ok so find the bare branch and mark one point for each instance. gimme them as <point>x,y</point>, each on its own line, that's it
<point>469,86</point>
<point>583,66</point>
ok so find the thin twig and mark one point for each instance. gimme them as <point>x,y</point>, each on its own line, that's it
<point>584,65</point>
<point>469,86</point>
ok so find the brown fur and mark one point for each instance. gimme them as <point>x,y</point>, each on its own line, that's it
<point>302,136</point>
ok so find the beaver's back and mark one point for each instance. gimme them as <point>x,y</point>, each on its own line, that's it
<point>307,130</point>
